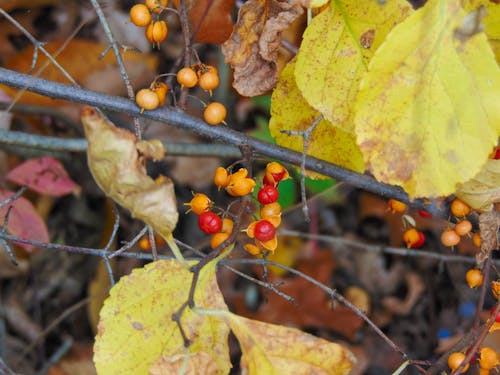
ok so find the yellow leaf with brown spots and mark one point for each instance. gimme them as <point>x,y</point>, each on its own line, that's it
<point>275,350</point>
<point>335,51</point>
<point>290,111</point>
<point>136,333</point>
<point>427,111</point>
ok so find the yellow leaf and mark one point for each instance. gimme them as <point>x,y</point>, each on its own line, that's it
<point>116,160</point>
<point>336,49</point>
<point>136,334</point>
<point>272,349</point>
<point>491,21</point>
<point>290,111</point>
<point>483,190</point>
<point>427,111</point>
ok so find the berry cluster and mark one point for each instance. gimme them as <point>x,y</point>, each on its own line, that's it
<point>207,78</point>
<point>263,231</point>
<point>142,15</point>
<point>488,360</point>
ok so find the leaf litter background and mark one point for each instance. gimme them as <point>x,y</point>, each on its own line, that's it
<point>414,300</point>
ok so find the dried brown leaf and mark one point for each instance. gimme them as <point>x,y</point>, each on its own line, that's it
<point>252,49</point>
<point>116,161</point>
<point>488,226</point>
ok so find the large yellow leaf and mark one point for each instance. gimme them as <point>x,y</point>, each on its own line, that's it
<point>275,350</point>
<point>290,111</point>
<point>427,111</point>
<point>491,21</point>
<point>336,49</point>
<point>136,333</point>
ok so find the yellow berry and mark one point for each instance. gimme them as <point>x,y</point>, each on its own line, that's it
<point>474,278</point>
<point>187,77</point>
<point>488,358</point>
<point>214,113</point>
<point>147,99</point>
<point>454,361</point>
<point>208,81</point>
<point>140,15</point>
<point>450,238</point>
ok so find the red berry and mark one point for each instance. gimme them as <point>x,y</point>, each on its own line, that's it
<point>264,231</point>
<point>420,242</point>
<point>497,318</point>
<point>497,154</point>
<point>424,213</point>
<point>209,222</point>
<point>268,194</point>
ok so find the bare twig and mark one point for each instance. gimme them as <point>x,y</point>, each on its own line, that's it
<point>306,136</point>
<point>119,61</point>
<point>186,37</point>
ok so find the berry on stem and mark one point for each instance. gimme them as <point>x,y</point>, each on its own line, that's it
<point>476,239</point>
<point>187,77</point>
<point>147,99</point>
<point>209,81</point>
<point>411,237</point>
<point>450,238</point>
<point>488,358</point>
<point>463,227</point>
<point>396,206</point>
<point>455,360</point>
<point>199,204</point>
<point>474,278</point>
<point>214,113</point>
<point>459,208</point>
<point>221,177</point>
<point>264,230</point>
<point>156,5</point>
<point>161,89</point>
<point>209,222</point>
<point>140,15</point>
<point>218,238</point>
<point>157,32</point>
<point>268,194</point>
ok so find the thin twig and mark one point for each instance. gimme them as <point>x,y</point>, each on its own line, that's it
<point>186,37</point>
<point>119,61</point>
<point>306,136</point>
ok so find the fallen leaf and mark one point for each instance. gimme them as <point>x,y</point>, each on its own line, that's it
<point>483,190</point>
<point>427,110</point>
<point>24,220</point>
<point>136,333</point>
<point>211,20</point>
<point>489,223</point>
<point>252,49</point>
<point>290,111</point>
<point>81,60</point>
<point>44,175</point>
<point>117,162</point>
<point>273,349</point>
<point>313,307</point>
<point>335,51</point>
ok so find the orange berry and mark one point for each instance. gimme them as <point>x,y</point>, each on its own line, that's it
<point>474,278</point>
<point>397,206</point>
<point>140,15</point>
<point>270,209</point>
<point>239,185</point>
<point>199,204</point>
<point>463,227</point>
<point>209,81</point>
<point>187,77</point>
<point>144,244</point>
<point>476,238</point>
<point>221,177</point>
<point>252,249</point>
<point>214,113</point>
<point>161,89</point>
<point>459,208</point>
<point>411,237</point>
<point>156,5</point>
<point>450,238</point>
<point>488,358</point>
<point>147,99</point>
<point>455,360</point>
<point>227,225</point>
<point>495,289</point>
<point>218,238</point>
<point>157,32</point>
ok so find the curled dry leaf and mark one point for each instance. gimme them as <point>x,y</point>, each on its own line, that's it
<point>117,162</point>
<point>483,190</point>
<point>403,307</point>
<point>252,49</point>
<point>489,223</point>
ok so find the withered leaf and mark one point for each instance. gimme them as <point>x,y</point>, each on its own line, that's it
<point>488,227</point>
<point>116,160</point>
<point>252,49</point>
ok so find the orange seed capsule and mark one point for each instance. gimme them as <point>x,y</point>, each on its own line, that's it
<point>397,206</point>
<point>459,208</point>
<point>157,32</point>
<point>140,15</point>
